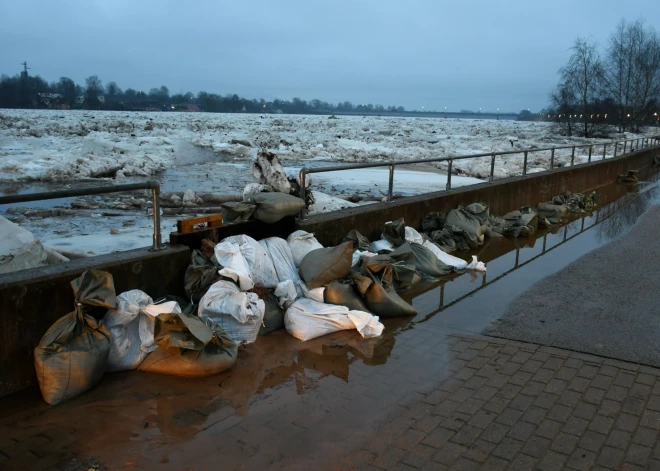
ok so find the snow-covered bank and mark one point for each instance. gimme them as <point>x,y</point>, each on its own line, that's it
<point>49,145</point>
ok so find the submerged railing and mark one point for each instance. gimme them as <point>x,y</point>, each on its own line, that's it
<point>627,146</point>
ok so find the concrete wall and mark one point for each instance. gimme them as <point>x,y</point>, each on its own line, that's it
<point>501,196</point>
<point>31,300</point>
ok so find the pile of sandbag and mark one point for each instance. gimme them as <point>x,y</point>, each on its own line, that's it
<point>267,207</point>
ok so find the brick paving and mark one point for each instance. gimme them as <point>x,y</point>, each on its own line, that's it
<point>518,406</point>
<point>489,404</point>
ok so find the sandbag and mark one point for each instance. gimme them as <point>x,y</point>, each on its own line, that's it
<point>321,266</point>
<point>413,236</point>
<point>479,211</point>
<point>522,223</point>
<point>467,222</point>
<point>380,299</point>
<point>395,232</point>
<point>188,346</point>
<point>123,323</point>
<point>200,274</point>
<point>357,256</point>
<point>235,211</point>
<point>399,270</point>
<point>444,239</point>
<point>301,243</point>
<point>148,322</point>
<point>496,225</point>
<point>245,261</point>
<point>428,263</point>
<point>273,315</point>
<point>237,313</point>
<point>18,248</point>
<point>73,353</point>
<point>344,294</point>
<point>272,207</point>
<point>360,242</point>
<point>287,292</point>
<point>282,258</point>
<point>307,320</point>
<point>548,210</point>
<point>433,222</point>
<point>457,263</point>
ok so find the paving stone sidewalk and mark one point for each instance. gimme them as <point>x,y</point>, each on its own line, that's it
<point>518,406</point>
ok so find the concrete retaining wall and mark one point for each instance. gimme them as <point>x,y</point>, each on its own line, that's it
<point>501,196</point>
<point>31,300</point>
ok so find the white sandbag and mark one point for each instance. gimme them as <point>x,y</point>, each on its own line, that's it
<point>124,326</point>
<point>286,293</point>
<point>476,265</point>
<point>239,314</point>
<point>382,244</point>
<point>228,254</point>
<point>301,243</point>
<point>367,324</point>
<point>262,273</point>
<point>307,319</point>
<point>444,257</point>
<point>413,236</point>
<point>282,258</point>
<point>18,248</point>
<point>316,294</point>
<point>148,322</point>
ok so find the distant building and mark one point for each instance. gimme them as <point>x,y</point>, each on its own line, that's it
<point>193,108</point>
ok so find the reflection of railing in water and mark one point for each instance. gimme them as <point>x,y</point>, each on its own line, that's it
<point>609,210</point>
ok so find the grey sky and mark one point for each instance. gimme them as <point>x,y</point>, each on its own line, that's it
<point>461,54</point>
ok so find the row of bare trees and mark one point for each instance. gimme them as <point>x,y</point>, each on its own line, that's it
<point>618,86</point>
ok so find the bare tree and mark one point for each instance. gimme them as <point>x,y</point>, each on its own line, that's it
<point>582,82</point>
<point>112,90</point>
<point>633,72</point>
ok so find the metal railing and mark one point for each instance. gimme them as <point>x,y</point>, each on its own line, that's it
<point>635,145</point>
<point>51,195</point>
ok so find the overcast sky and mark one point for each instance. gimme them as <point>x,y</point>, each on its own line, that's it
<point>462,54</point>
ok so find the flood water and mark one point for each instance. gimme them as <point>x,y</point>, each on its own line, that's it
<point>324,397</point>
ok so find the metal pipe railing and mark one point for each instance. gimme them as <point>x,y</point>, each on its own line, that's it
<point>391,164</point>
<point>74,192</point>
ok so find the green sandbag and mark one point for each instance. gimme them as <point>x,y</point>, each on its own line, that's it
<point>73,353</point>
<point>467,222</point>
<point>479,211</point>
<point>522,223</point>
<point>433,221</point>
<point>381,299</point>
<point>360,242</point>
<point>272,207</point>
<point>235,211</point>
<point>424,260</point>
<point>344,294</point>
<point>497,224</point>
<point>443,239</point>
<point>273,316</point>
<point>395,232</point>
<point>188,346</point>
<point>321,266</point>
<point>403,270</point>
<point>199,276</point>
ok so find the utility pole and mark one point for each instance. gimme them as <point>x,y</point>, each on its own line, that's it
<point>25,86</point>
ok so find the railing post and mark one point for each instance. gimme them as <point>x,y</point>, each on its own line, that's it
<point>573,156</point>
<point>616,146</point>
<point>390,188</point>
<point>449,164</point>
<point>303,193</point>
<point>158,241</point>
<point>625,144</point>
<point>590,149</point>
<point>552,159</point>
<point>604,151</point>
<point>492,168</point>
<point>525,164</point>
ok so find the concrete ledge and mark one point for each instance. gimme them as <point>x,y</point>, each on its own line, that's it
<point>31,300</point>
<point>501,196</point>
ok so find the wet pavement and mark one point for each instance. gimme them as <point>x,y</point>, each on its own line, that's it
<point>430,393</point>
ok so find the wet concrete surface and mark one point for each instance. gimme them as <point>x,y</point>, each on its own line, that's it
<point>618,291</point>
<point>288,404</point>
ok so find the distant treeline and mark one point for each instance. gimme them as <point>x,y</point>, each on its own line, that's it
<point>26,91</point>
